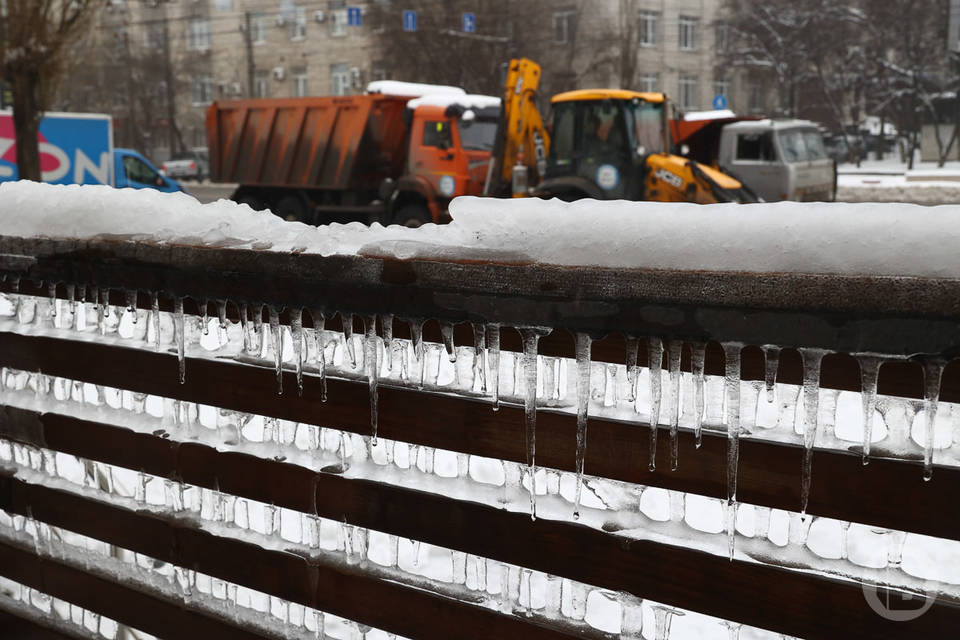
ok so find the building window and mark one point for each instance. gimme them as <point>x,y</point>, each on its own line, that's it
<point>154,36</point>
<point>299,75</point>
<point>649,27</point>
<point>340,79</point>
<point>722,37</point>
<point>563,26</point>
<point>378,71</point>
<point>650,82</point>
<point>688,93</point>
<point>223,5</point>
<point>688,33</point>
<point>261,83</point>
<point>201,89</point>
<point>722,88</point>
<point>198,34</point>
<point>298,28</point>
<point>338,17</point>
<point>258,28</point>
<point>755,97</point>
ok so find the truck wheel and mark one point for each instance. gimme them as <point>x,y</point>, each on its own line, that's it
<point>290,208</point>
<point>412,215</point>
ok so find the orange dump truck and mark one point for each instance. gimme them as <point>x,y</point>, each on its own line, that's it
<point>381,157</point>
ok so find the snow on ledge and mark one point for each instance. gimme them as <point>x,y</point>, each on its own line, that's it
<point>412,89</point>
<point>838,238</point>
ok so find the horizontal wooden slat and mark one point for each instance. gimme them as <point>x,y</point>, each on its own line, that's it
<point>756,594</point>
<point>336,589</point>
<point>879,494</point>
<point>126,605</point>
<point>22,628</point>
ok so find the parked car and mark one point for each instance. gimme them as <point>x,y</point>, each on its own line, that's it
<point>193,164</point>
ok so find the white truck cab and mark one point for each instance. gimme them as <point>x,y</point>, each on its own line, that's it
<point>781,159</point>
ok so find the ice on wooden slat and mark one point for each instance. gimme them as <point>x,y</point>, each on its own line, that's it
<point>655,359</point>
<point>811,403</point>
<point>370,366</point>
<point>583,405</point>
<point>932,372</point>
<point>731,354</point>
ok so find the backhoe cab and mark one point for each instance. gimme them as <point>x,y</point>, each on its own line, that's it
<point>614,144</point>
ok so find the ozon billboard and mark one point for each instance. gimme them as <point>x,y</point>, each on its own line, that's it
<point>75,148</point>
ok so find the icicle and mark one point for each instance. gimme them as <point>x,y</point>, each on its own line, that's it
<point>771,355</point>
<point>205,318</point>
<point>662,619</point>
<point>583,404</point>
<point>811,406</point>
<point>131,298</point>
<point>101,311</point>
<point>178,328</point>
<point>347,321</point>
<point>370,364</point>
<point>697,355</point>
<point>531,337</point>
<point>446,330</point>
<point>319,320</point>
<point>80,298</point>
<point>731,354</point>
<point>155,315</point>
<point>386,326</point>
<point>479,355</point>
<point>493,356</point>
<point>222,314</point>
<point>633,347</point>
<point>932,372</point>
<point>244,328</point>
<point>654,362</point>
<point>277,331</point>
<point>416,337</point>
<point>869,372</point>
<point>296,334</point>
<point>675,349</point>
<point>52,292</point>
<point>258,329</point>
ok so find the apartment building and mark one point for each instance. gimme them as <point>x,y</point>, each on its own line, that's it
<point>673,46</point>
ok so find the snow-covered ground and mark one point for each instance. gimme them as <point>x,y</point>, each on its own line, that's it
<point>889,180</point>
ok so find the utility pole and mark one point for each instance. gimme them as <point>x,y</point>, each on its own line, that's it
<point>248,40</point>
<point>171,94</point>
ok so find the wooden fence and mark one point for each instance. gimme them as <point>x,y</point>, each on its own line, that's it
<point>154,481</point>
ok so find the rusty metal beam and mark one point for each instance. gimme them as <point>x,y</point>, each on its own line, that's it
<point>895,315</point>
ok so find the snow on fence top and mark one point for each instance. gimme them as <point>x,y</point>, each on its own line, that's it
<point>833,238</point>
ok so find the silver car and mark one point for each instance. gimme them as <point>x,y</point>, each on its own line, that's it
<point>191,165</point>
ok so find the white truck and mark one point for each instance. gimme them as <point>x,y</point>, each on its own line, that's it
<point>779,159</point>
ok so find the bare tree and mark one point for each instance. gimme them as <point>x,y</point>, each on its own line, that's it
<point>440,52</point>
<point>38,37</point>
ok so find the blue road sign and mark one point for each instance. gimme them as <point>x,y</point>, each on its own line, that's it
<point>719,101</point>
<point>469,23</point>
<point>354,17</point>
<point>409,20</point>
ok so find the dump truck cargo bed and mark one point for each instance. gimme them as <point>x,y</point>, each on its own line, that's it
<point>335,143</point>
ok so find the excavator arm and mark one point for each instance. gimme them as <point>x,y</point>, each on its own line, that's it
<point>522,139</point>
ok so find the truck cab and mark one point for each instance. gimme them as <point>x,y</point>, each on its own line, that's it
<point>779,159</point>
<point>451,138</point>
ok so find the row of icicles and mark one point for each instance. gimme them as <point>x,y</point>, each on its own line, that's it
<point>487,346</point>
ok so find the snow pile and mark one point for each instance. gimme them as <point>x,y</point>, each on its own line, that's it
<point>842,238</point>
